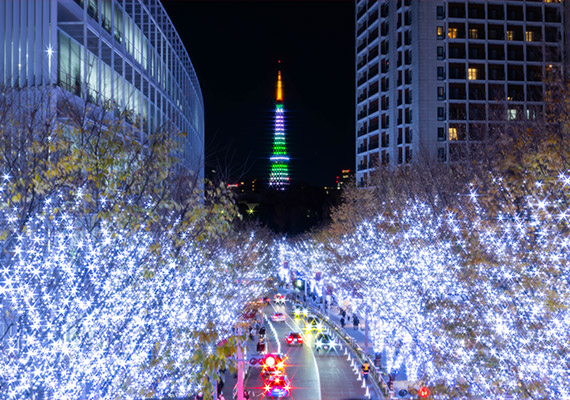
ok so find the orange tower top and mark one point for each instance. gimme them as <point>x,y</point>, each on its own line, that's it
<point>279,95</point>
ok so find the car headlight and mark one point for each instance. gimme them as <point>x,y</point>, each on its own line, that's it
<point>319,344</point>
<point>319,327</point>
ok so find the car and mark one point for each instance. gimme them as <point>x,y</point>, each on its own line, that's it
<point>273,364</point>
<point>313,324</point>
<point>325,342</point>
<point>300,312</point>
<point>277,387</point>
<point>279,299</point>
<point>294,338</point>
<point>278,317</point>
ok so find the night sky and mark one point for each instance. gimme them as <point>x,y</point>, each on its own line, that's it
<point>235,45</point>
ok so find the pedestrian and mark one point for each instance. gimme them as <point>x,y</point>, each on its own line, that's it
<point>199,396</point>
<point>342,322</point>
<point>260,346</point>
<point>262,331</point>
<point>221,397</point>
<point>365,368</point>
<point>246,395</point>
<point>355,322</point>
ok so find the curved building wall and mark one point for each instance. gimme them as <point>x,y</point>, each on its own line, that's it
<point>126,52</point>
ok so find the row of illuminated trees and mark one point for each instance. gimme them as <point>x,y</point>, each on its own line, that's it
<point>118,269</point>
<point>461,272</point>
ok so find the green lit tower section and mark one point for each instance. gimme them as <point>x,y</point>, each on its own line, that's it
<point>279,175</point>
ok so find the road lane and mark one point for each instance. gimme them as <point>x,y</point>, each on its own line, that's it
<point>313,376</point>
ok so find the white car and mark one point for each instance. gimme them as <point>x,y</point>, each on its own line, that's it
<point>278,317</point>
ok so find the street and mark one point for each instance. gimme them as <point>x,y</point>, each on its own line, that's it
<point>313,376</point>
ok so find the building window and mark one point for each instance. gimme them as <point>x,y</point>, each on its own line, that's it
<point>440,13</point>
<point>452,33</point>
<point>441,154</point>
<point>472,74</point>
<point>529,36</point>
<point>440,113</point>
<point>408,155</point>
<point>510,35</point>
<point>530,114</point>
<point>440,32</point>
<point>440,73</point>
<point>453,134</point>
<point>473,33</point>
<point>440,53</point>
<point>441,93</point>
<point>512,114</point>
<point>440,134</point>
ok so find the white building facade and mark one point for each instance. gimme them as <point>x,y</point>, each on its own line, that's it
<point>126,52</point>
<point>433,77</point>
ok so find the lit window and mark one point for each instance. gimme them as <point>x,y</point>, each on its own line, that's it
<point>441,93</point>
<point>452,33</point>
<point>512,114</point>
<point>453,134</point>
<point>473,33</point>
<point>530,114</point>
<point>510,35</point>
<point>440,32</point>
<point>472,74</point>
<point>529,36</point>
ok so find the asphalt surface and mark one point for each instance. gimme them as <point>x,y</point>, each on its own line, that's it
<point>313,376</point>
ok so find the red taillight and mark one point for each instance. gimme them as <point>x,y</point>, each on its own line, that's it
<point>289,339</point>
<point>300,339</point>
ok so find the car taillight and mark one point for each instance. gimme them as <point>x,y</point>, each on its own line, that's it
<point>300,339</point>
<point>289,339</point>
<point>267,388</point>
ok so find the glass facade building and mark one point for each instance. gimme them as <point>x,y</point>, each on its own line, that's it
<point>433,77</point>
<point>123,52</point>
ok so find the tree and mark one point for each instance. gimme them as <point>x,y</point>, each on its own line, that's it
<point>112,257</point>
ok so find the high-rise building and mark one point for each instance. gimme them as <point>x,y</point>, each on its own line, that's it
<point>279,173</point>
<point>121,52</point>
<point>433,77</point>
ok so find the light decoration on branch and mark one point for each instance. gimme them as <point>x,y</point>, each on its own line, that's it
<point>472,302</point>
<point>108,312</point>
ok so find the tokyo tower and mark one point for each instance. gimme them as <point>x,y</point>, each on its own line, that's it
<point>279,174</point>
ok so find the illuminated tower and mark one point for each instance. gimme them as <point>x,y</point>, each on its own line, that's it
<point>279,175</point>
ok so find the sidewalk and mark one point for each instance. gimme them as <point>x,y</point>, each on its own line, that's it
<point>230,380</point>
